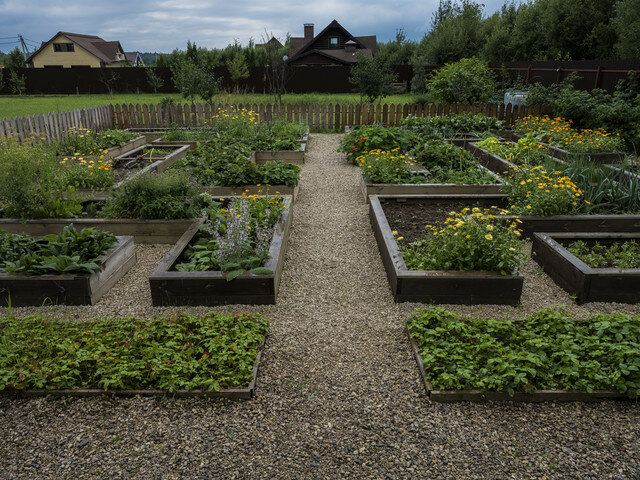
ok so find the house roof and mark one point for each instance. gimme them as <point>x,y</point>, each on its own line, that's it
<point>132,56</point>
<point>105,51</point>
<point>341,56</point>
<point>301,47</point>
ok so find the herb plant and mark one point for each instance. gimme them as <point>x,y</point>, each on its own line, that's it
<point>451,126</point>
<point>620,254</point>
<point>546,351</point>
<point>365,139</point>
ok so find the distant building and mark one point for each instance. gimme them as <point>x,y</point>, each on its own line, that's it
<point>67,50</point>
<point>332,46</point>
<point>272,41</point>
<point>134,59</point>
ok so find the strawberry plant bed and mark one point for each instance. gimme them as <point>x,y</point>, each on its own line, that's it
<point>21,290</point>
<point>172,287</point>
<point>216,355</point>
<point>142,231</point>
<point>421,338</point>
<point>450,287</point>
<point>288,156</point>
<point>588,284</point>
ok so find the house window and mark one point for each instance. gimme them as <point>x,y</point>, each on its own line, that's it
<point>63,47</point>
<point>333,42</point>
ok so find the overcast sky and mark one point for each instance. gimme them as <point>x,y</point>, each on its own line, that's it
<point>161,26</point>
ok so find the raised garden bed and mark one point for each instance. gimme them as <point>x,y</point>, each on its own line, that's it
<point>481,396</point>
<point>577,278</point>
<point>142,231</point>
<point>562,154</point>
<point>20,290</point>
<point>424,207</point>
<point>142,160</point>
<point>171,287</point>
<point>117,151</point>
<point>427,188</point>
<point>289,156</point>
<point>450,287</point>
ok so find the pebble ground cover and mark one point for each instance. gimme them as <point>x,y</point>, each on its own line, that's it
<point>339,395</point>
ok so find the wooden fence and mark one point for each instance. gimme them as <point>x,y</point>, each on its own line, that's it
<point>317,116</point>
<point>56,125</point>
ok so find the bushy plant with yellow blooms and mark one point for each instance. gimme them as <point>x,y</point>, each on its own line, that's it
<point>84,142</point>
<point>534,191</point>
<point>527,151</point>
<point>386,166</point>
<point>470,240</point>
<point>560,133</point>
<point>88,173</point>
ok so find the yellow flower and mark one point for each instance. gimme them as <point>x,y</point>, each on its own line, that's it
<point>400,238</point>
<point>488,236</point>
<point>489,227</point>
<point>394,233</point>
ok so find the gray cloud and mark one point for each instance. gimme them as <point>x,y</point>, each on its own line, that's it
<point>162,26</point>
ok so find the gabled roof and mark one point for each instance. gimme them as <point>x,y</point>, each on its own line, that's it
<point>133,56</point>
<point>300,46</point>
<point>98,47</point>
<point>339,55</point>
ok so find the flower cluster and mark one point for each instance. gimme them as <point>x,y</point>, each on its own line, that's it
<point>386,166</point>
<point>469,240</point>
<point>534,191</point>
<point>83,142</point>
<point>560,133</point>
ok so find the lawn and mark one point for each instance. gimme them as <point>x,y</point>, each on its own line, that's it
<point>12,106</point>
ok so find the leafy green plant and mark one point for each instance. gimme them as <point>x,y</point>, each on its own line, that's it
<point>213,352</point>
<point>71,251</point>
<point>617,254</point>
<point>380,166</point>
<point>527,151</point>
<point>152,196</point>
<point>30,183</point>
<point>451,126</point>
<point>83,142</point>
<point>365,139</point>
<point>470,240</point>
<point>467,81</point>
<point>546,351</point>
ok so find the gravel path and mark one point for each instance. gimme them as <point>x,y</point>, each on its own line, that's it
<point>339,394</point>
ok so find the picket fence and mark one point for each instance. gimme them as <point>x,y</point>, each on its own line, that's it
<point>319,117</point>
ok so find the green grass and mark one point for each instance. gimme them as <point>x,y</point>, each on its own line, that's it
<point>13,106</point>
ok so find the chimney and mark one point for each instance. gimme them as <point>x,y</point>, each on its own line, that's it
<point>308,31</point>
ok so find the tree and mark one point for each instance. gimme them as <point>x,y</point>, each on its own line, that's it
<point>627,26</point>
<point>209,86</point>
<point>18,83</point>
<point>186,77</point>
<point>154,81</point>
<point>277,70</point>
<point>467,81</point>
<point>371,77</point>
<point>14,59</point>
<point>238,69</point>
<point>1,81</point>
<point>109,77</point>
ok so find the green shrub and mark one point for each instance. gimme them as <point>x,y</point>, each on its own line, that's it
<point>467,81</point>
<point>30,184</point>
<point>451,126</point>
<point>153,196</point>
<point>379,166</point>
<point>213,352</point>
<point>365,139</point>
<point>546,351</point>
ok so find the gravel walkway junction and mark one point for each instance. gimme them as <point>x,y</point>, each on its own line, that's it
<point>339,394</point>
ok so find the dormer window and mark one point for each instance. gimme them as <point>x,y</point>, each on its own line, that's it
<point>333,42</point>
<point>63,47</point>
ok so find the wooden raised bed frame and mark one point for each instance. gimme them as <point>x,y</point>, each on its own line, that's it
<point>220,191</point>
<point>169,287</point>
<point>577,278</point>
<point>448,287</point>
<point>69,289</point>
<point>237,393</point>
<point>142,231</point>
<point>117,151</point>
<point>481,396</point>
<point>533,223</point>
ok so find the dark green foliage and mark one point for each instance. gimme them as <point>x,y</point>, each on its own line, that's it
<point>152,196</point>
<point>451,126</point>
<point>620,254</point>
<point>213,352</point>
<point>371,77</point>
<point>30,186</point>
<point>365,139</point>
<point>547,351</point>
<point>71,251</point>
<point>14,59</point>
<point>467,81</point>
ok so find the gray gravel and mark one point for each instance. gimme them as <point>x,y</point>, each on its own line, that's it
<point>339,394</point>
